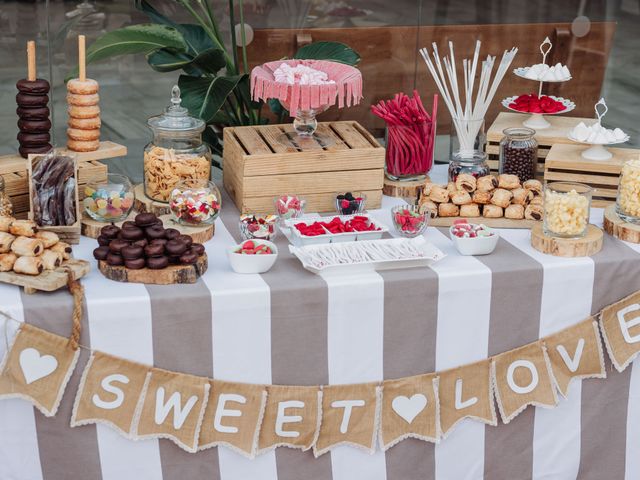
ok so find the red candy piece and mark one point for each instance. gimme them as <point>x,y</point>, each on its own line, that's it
<point>532,104</point>
<point>356,224</point>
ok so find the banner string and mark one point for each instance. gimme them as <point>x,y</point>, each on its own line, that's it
<point>6,330</point>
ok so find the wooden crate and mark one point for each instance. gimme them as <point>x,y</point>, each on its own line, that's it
<point>257,167</point>
<point>564,163</point>
<point>555,134</point>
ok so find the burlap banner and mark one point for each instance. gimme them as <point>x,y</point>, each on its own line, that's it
<point>140,401</point>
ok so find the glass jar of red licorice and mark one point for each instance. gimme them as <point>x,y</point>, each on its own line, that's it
<point>409,154</point>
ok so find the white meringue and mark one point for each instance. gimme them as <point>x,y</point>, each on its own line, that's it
<point>301,75</point>
<point>596,134</point>
<point>544,73</point>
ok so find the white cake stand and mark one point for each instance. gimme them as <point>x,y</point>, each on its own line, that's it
<point>597,150</point>
<point>537,120</point>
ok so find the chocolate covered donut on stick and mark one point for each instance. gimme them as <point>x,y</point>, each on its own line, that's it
<point>83,134</point>
<point>33,111</point>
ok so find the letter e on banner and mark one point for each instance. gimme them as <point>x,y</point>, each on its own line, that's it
<point>620,324</point>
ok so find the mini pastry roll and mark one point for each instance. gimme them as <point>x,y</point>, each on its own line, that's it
<point>448,210</point>
<point>521,196</point>
<point>508,181</point>
<point>466,182</point>
<point>28,265</point>
<point>429,206</point>
<point>48,238</point>
<point>533,212</point>
<point>486,183</point>
<point>63,248</point>
<point>6,239</point>
<point>439,194</point>
<point>534,185</point>
<point>470,210</point>
<point>481,198</point>
<point>515,212</point>
<point>461,198</point>
<point>501,197</point>
<point>24,228</point>
<point>51,260</point>
<point>492,211</point>
<point>6,261</point>
<point>451,188</point>
<point>426,190</point>
<point>536,201</point>
<point>5,223</point>
<point>27,247</point>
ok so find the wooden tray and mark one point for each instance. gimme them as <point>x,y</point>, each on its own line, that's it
<point>167,276</point>
<point>489,222</point>
<point>49,280</point>
<point>257,167</point>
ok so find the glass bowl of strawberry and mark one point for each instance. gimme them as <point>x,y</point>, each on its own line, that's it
<point>350,203</point>
<point>408,220</point>
<point>258,227</point>
<point>289,206</point>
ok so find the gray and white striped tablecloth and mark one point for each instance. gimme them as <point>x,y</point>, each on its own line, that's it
<point>289,326</point>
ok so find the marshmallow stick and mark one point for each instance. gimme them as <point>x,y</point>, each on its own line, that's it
<point>82,65</point>
<point>31,61</point>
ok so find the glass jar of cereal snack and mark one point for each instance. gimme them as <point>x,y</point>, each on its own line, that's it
<point>628,201</point>
<point>176,153</point>
<point>567,207</point>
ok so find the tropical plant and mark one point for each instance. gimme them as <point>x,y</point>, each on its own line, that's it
<point>215,85</point>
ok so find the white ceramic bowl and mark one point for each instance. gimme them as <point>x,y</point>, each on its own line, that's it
<point>252,263</point>
<point>476,245</point>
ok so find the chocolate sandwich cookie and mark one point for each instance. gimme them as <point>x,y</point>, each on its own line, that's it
<point>33,139</point>
<point>34,126</point>
<point>33,113</point>
<point>197,248</point>
<point>131,252</point>
<point>26,100</point>
<point>115,260</point>
<point>157,263</point>
<point>109,231</point>
<point>134,264</point>
<point>143,242</point>
<point>189,258</point>
<point>171,233</point>
<point>132,233</point>
<point>186,239</point>
<point>39,86</point>
<point>175,247</point>
<point>154,232</point>
<point>154,250</point>
<point>145,219</point>
<point>103,240</point>
<point>116,246</point>
<point>25,151</point>
<point>159,241</point>
<point>128,224</point>
<point>101,253</point>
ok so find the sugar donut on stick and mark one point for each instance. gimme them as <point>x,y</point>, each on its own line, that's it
<point>80,146</point>
<point>83,100</point>
<point>84,123</point>
<point>83,135</point>
<point>87,86</point>
<point>90,111</point>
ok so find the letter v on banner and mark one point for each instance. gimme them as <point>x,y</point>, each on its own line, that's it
<point>620,324</point>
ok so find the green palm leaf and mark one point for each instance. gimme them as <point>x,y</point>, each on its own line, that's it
<point>205,96</point>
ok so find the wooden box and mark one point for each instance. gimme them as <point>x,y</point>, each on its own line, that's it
<point>557,133</point>
<point>564,163</point>
<point>258,167</point>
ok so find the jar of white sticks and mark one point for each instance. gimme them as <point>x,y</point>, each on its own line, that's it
<point>466,148</point>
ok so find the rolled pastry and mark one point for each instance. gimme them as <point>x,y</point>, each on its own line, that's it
<point>461,198</point>
<point>448,210</point>
<point>534,185</point>
<point>27,247</point>
<point>482,198</point>
<point>6,261</point>
<point>451,188</point>
<point>508,181</point>
<point>533,212</point>
<point>487,183</point>
<point>5,223</point>
<point>426,190</point>
<point>63,248</point>
<point>439,194</point>
<point>51,260</point>
<point>501,197</point>
<point>24,228</point>
<point>6,239</point>
<point>470,210</point>
<point>536,200</point>
<point>492,211</point>
<point>28,265</point>
<point>48,238</point>
<point>521,196</point>
<point>516,212</point>
<point>429,206</point>
<point>466,182</point>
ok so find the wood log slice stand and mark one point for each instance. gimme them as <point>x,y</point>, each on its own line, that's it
<point>616,226</point>
<point>410,189</point>
<point>49,280</point>
<point>145,204</point>
<point>586,246</point>
<point>166,276</point>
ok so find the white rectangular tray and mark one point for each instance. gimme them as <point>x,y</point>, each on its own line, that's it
<point>301,240</point>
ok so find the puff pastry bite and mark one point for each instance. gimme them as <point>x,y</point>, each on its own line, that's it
<point>448,210</point>
<point>24,228</point>
<point>6,261</point>
<point>486,183</point>
<point>470,210</point>
<point>508,181</point>
<point>429,206</point>
<point>481,198</point>
<point>5,223</point>
<point>461,198</point>
<point>6,239</point>
<point>534,185</point>
<point>492,211</point>
<point>514,211</point>
<point>51,260</point>
<point>451,188</point>
<point>28,265</point>
<point>48,238</point>
<point>533,212</point>
<point>27,247</point>
<point>521,196</point>
<point>501,197</point>
<point>466,182</point>
<point>439,194</point>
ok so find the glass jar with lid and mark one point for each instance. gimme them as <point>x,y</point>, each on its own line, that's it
<point>177,152</point>
<point>467,148</point>
<point>628,200</point>
<point>519,153</point>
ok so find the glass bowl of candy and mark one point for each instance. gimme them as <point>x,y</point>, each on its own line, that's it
<point>409,221</point>
<point>195,202</point>
<point>109,200</point>
<point>473,238</point>
<point>289,206</point>
<point>350,203</point>
<point>259,227</point>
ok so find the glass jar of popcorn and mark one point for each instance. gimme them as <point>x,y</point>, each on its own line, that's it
<point>628,201</point>
<point>177,152</point>
<point>566,209</point>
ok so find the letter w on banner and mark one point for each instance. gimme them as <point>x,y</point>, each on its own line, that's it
<point>523,377</point>
<point>620,325</point>
<point>37,368</point>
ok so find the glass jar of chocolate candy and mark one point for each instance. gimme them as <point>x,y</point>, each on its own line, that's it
<point>519,153</point>
<point>177,152</point>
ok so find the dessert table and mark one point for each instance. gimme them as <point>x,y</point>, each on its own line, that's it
<point>289,326</point>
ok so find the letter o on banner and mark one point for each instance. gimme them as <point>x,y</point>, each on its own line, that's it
<point>521,390</point>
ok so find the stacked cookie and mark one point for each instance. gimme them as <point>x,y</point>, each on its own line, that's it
<point>487,196</point>
<point>33,116</point>
<point>83,134</point>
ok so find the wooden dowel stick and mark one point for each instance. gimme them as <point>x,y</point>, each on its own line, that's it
<point>81,58</point>
<point>31,61</point>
